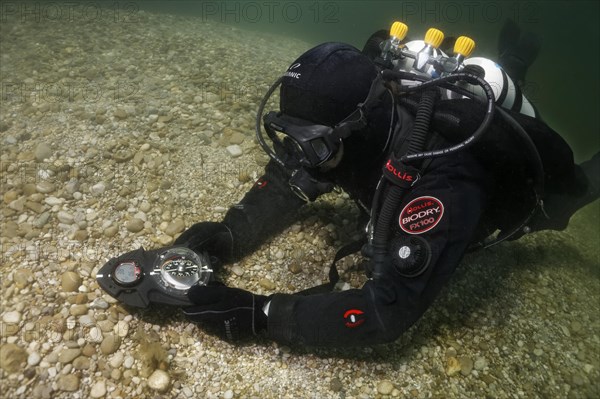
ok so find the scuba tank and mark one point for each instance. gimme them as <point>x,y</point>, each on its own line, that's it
<point>425,58</point>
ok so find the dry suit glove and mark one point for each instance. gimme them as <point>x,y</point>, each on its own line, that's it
<point>230,313</point>
<point>212,237</point>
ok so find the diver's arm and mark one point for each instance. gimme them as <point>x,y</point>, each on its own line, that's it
<point>383,309</point>
<point>266,209</point>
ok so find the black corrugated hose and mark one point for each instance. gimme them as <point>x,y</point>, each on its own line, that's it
<point>418,139</point>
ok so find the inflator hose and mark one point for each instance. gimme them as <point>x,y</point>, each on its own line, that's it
<point>394,197</point>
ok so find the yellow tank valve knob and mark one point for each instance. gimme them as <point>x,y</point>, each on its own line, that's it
<point>434,37</point>
<point>464,46</point>
<point>399,30</point>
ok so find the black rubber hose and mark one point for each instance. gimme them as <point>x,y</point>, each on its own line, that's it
<point>487,120</point>
<point>258,127</point>
<point>393,199</point>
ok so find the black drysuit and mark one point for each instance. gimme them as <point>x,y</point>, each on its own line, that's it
<point>454,194</point>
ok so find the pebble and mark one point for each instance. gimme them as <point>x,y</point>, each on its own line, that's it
<point>44,187</point>
<point>236,138</point>
<point>65,217</point>
<point>70,281</point>
<point>95,335</point>
<point>17,205</point>
<point>98,389</point>
<point>67,355</point>
<point>99,303</point>
<point>480,363</point>
<point>234,150</point>
<point>23,277</point>
<point>110,231</point>
<point>128,362</point>
<point>452,366</point>
<point>145,207</point>
<point>135,225</point>
<point>9,196</point>
<point>30,189</point>
<point>116,360</point>
<point>159,381</point>
<point>295,267</point>
<point>11,357</point>
<point>237,270</point>
<point>69,383</point>
<point>98,189</point>
<point>175,227</point>
<point>42,152</point>
<point>106,325</point>
<point>34,206</point>
<point>466,365</point>
<point>88,350</point>
<point>121,328</point>
<point>53,201</point>
<point>228,394</point>
<point>336,385</point>
<point>120,113</point>
<point>110,344</point>
<point>41,220</point>
<point>81,363</point>
<point>42,391</point>
<point>78,310</point>
<point>13,317</point>
<point>266,284</point>
<point>115,374</point>
<point>33,359</point>
<point>385,387</point>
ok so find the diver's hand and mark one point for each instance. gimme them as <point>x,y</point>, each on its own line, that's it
<point>214,238</point>
<point>230,313</point>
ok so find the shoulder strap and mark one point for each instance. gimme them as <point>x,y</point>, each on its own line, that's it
<point>334,276</point>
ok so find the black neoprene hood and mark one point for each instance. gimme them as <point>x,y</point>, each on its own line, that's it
<point>325,84</point>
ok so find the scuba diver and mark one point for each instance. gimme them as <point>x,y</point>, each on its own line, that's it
<point>442,154</point>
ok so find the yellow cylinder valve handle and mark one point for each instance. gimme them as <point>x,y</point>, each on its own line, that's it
<point>464,46</point>
<point>398,30</point>
<point>434,37</point>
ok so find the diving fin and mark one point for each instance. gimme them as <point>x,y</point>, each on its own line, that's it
<point>517,50</point>
<point>558,208</point>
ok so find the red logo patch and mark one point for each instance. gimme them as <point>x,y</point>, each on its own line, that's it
<point>261,183</point>
<point>354,318</point>
<point>421,214</point>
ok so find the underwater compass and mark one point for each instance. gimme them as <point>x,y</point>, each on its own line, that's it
<point>139,278</point>
<point>177,270</point>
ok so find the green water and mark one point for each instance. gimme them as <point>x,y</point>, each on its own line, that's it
<point>563,83</point>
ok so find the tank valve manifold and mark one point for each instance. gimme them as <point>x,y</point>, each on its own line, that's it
<point>424,57</point>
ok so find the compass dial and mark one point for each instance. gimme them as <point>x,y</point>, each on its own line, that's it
<point>180,268</point>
